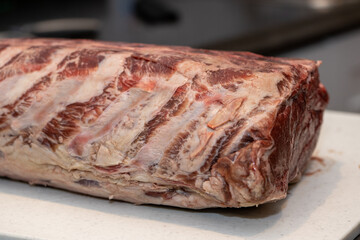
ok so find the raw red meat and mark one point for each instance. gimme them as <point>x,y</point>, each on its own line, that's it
<point>156,124</point>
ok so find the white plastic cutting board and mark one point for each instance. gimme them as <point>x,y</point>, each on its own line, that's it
<point>324,205</point>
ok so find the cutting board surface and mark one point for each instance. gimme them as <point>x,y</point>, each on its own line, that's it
<point>323,205</point>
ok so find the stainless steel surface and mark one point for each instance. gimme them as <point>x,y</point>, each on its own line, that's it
<point>253,25</point>
<point>307,25</point>
<point>201,22</point>
<point>59,25</point>
<point>320,4</point>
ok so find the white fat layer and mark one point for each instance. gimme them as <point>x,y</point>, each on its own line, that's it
<point>153,151</point>
<point>253,91</point>
<point>161,95</point>
<point>9,52</point>
<point>17,85</point>
<point>110,118</point>
<point>127,116</point>
<point>70,90</point>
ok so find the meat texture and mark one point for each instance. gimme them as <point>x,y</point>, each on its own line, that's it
<point>156,124</point>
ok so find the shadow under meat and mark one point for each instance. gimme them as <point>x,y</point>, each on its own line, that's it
<point>262,211</point>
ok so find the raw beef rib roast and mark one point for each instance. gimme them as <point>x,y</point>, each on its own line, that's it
<point>156,124</point>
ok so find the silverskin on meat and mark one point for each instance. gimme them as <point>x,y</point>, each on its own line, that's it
<point>157,124</point>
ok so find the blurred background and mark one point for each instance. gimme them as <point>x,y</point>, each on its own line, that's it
<point>327,30</point>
